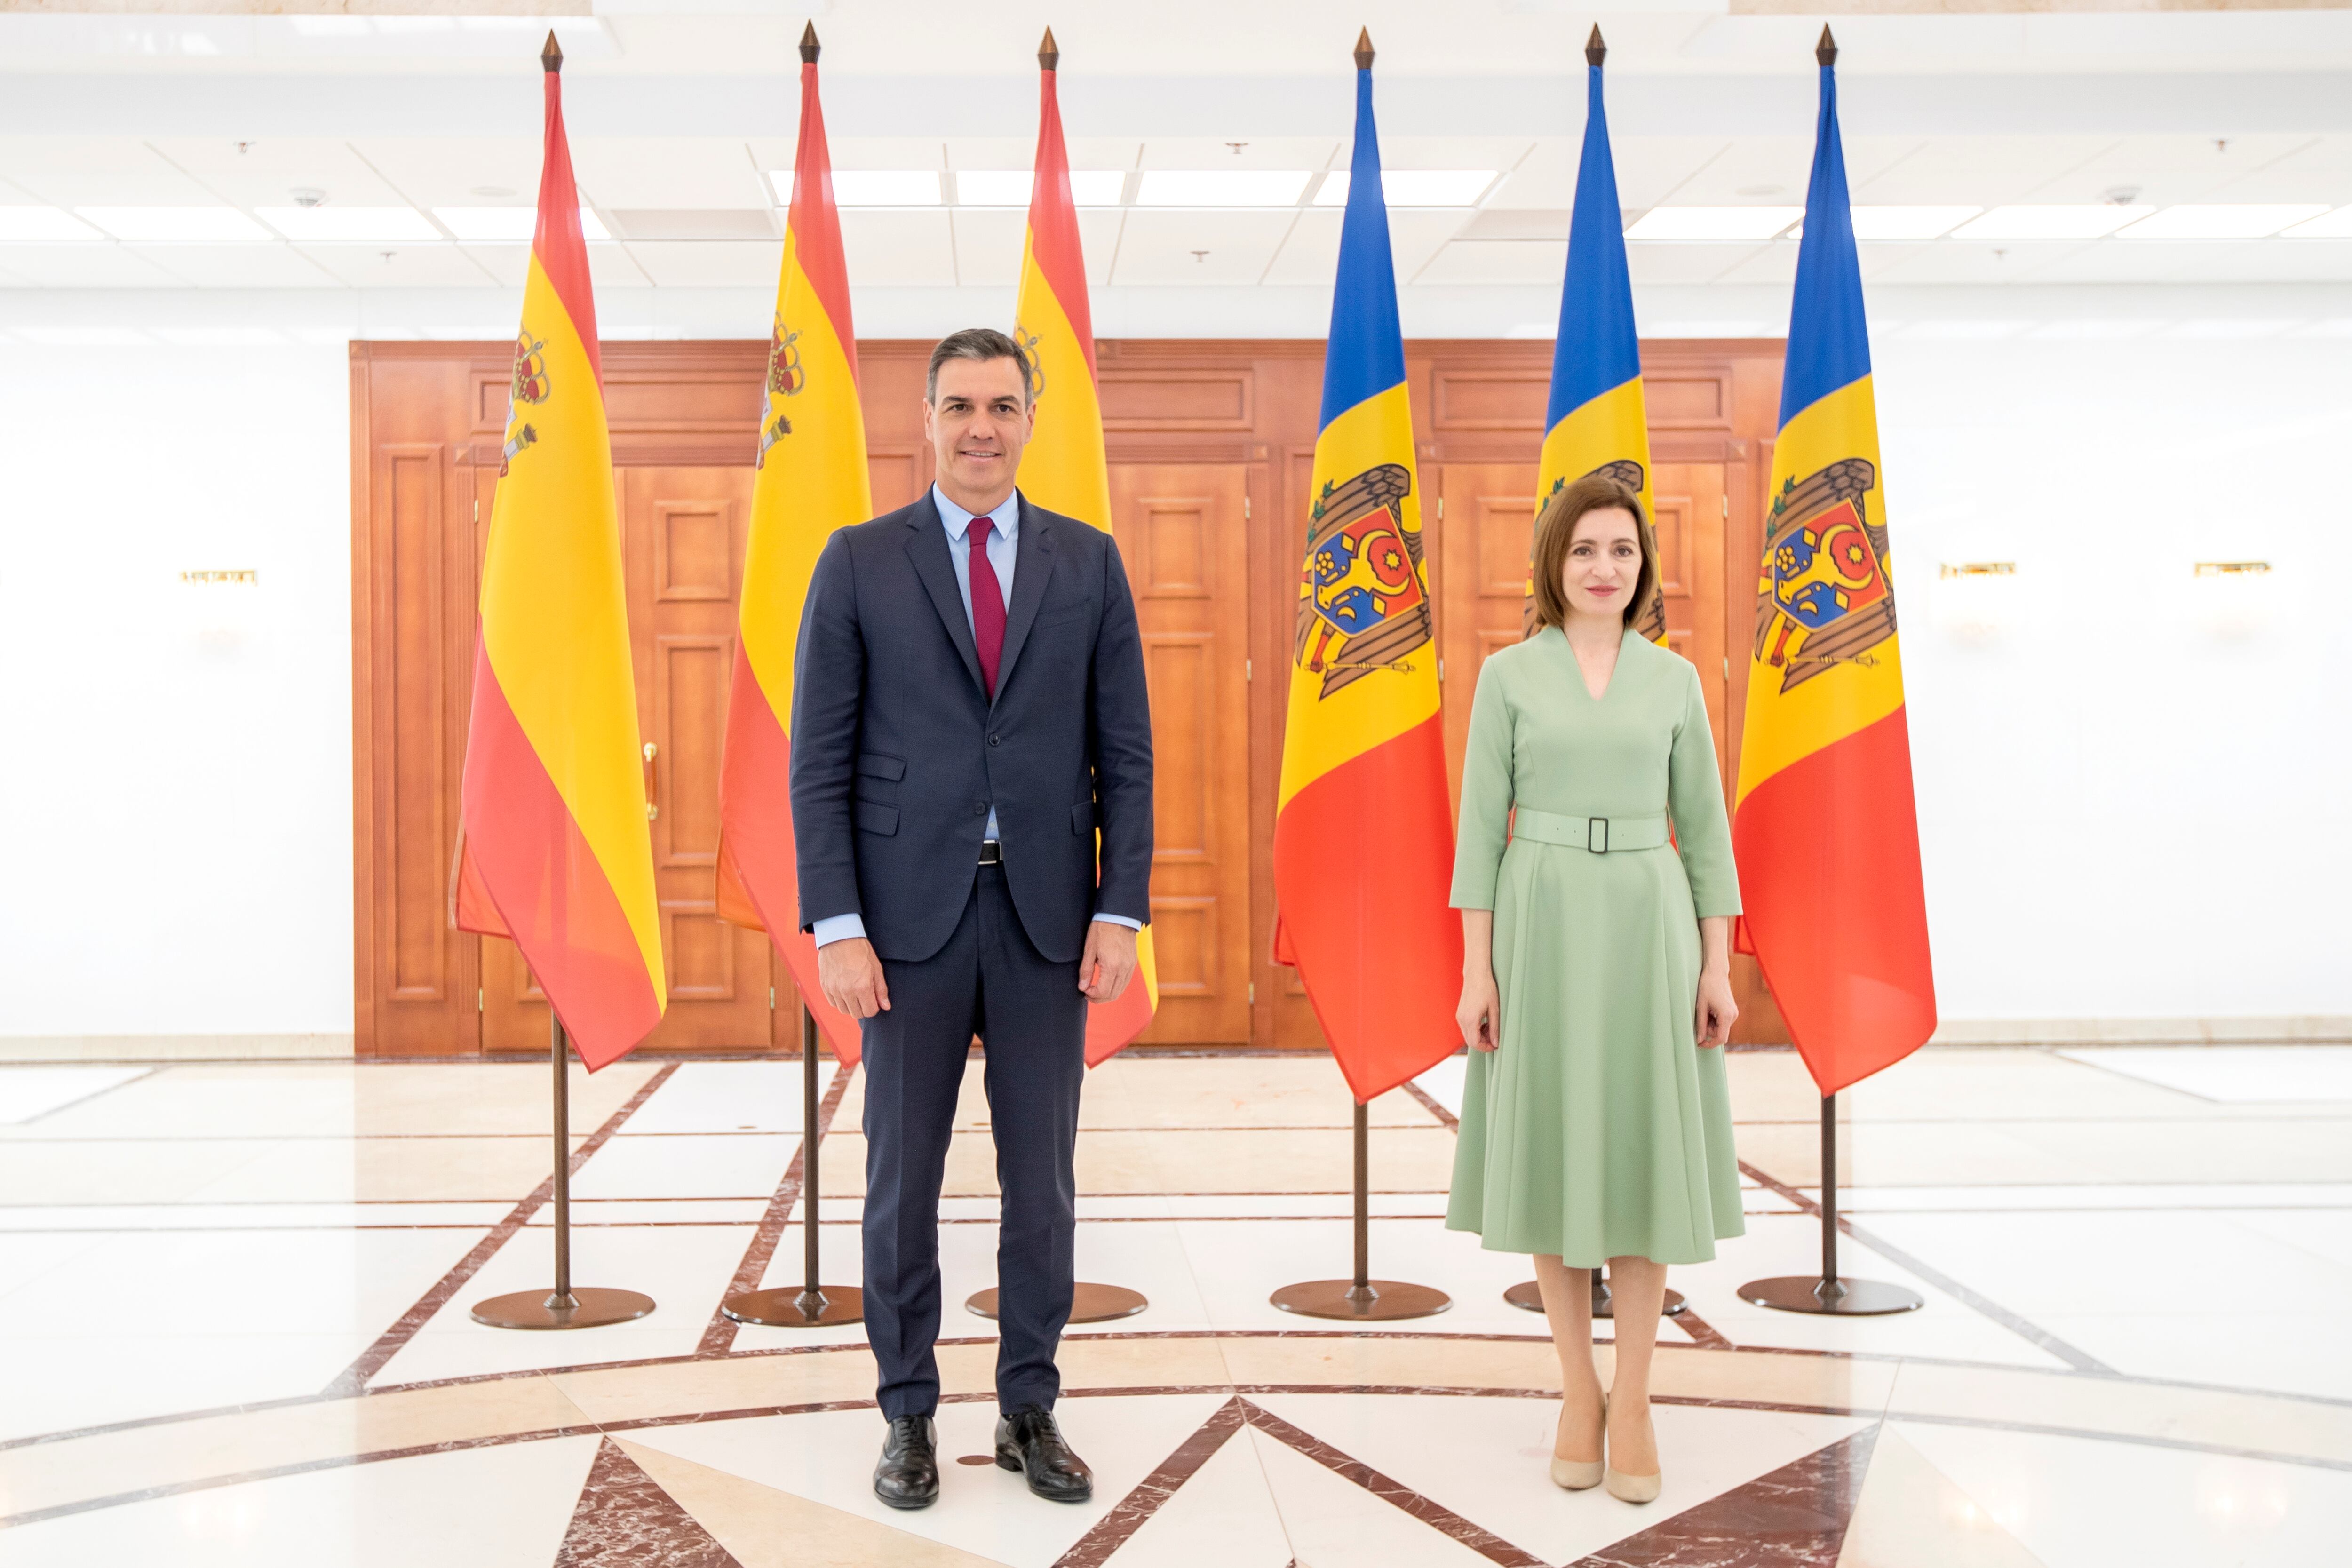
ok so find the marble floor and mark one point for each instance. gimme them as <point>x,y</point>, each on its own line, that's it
<point>234,1327</point>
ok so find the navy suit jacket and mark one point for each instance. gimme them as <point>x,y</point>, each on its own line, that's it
<point>897,752</point>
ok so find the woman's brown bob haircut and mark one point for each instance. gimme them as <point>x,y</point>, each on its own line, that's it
<point>1556,529</point>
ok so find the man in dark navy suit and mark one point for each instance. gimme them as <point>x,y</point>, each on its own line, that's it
<point>968,710</point>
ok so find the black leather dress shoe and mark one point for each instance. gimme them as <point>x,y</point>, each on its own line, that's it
<point>908,1474</point>
<point>1028,1441</point>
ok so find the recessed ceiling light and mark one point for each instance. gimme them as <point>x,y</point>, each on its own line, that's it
<point>1906,223</point>
<point>175,226</point>
<point>1220,187</point>
<point>348,224</point>
<point>44,225</point>
<point>2084,222</point>
<point>1010,187</point>
<point>1713,223</point>
<point>1415,187</point>
<point>2216,222</point>
<point>515,224</point>
<point>2336,225</point>
<point>871,187</point>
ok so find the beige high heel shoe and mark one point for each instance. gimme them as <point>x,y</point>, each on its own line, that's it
<point>1581,1475</point>
<point>1621,1486</point>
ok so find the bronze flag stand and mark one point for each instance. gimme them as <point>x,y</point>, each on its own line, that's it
<point>588,1307</point>
<point>812,1306</point>
<point>1362,1299</point>
<point>1528,1297</point>
<point>1829,1294</point>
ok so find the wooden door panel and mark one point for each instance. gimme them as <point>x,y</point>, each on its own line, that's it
<point>1183,534</point>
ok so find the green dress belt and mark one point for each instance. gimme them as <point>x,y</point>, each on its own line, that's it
<point>1601,835</point>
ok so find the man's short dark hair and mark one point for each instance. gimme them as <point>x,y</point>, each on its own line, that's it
<point>981,343</point>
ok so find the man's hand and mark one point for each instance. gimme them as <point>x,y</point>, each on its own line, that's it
<point>850,975</point>
<point>1109,963</point>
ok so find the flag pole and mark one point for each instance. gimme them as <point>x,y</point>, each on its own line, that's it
<point>1832,1294</point>
<point>812,1306</point>
<point>590,1306</point>
<point>1362,1299</point>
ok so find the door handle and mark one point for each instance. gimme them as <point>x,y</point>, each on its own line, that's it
<point>652,782</point>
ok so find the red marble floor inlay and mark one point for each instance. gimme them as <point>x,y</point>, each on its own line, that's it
<point>625,1519</point>
<point>1794,1517</point>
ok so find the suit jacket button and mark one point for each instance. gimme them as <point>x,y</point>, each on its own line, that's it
<point>994,740</point>
<point>979,808</point>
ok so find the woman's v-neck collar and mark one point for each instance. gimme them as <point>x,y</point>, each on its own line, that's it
<point>1578,665</point>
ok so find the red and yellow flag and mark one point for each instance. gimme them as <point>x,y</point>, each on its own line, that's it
<point>1363,835</point>
<point>810,478</point>
<point>1064,469</point>
<point>554,850</point>
<point>1824,828</point>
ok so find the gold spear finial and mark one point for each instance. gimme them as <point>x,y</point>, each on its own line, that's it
<point>551,58</point>
<point>1049,53</point>
<point>1595,51</point>
<point>1364,49</point>
<point>810,47</point>
<point>1826,50</point>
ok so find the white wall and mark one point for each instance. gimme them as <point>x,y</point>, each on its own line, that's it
<point>2128,810</point>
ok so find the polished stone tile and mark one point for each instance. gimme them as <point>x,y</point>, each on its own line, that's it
<point>686,1166</point>
<point>2234,1073</point>
<point>1225,1514</point>
<point>30,1093</point>
<point>1912,1515</point>
<point>1136,1091</point>
<point>1329,1518</point>
<point>729,1097</point>
<point>492,1507</point>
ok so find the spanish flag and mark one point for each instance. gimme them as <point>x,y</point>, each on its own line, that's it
<point>809,478</point>
<point>1064,469</point>
<point>1594,422</point>
<point>1363,837</point>
<point>1824,830</point>
<point>554,850</point>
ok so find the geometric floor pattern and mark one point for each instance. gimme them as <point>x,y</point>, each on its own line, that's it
<point>234,1329</point>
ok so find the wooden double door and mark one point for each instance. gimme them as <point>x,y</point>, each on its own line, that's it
<point>683,529</point>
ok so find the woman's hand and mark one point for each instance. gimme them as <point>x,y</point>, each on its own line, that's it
<point>1480,1015</point>
<point>1481,1012</point>
<point>1716,1011</point>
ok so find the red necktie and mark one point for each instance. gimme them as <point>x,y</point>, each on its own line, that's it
<point>987,602</point>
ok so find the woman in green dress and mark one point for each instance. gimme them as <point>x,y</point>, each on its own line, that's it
<point>1594,876</point>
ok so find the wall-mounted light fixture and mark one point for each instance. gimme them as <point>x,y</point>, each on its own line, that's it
<point>2235,599</point>
<point>1975,601</point>
<point>2233,568</point>
<point>234,574</point>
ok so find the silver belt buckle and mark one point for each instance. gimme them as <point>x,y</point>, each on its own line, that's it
<point>992,852</point>
<point>1601,824</point>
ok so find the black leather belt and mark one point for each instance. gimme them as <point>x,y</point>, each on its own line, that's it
<point>992,853</point>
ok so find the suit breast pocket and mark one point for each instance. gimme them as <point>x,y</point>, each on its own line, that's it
<point>876,818</point>
<point>1078,618</point>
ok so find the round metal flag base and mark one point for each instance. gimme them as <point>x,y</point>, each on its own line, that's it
<point>1376,1300</point>
<point>1088,1303</point>
<point>789,1306</point>
<point>1529,1298</point>
<point>1851,1298</point>
<point>586,1308</point>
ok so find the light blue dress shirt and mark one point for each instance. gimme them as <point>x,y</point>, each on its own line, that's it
<point>1002,552</point>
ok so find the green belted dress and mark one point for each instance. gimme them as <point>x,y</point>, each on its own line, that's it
<point>1598,1129</point>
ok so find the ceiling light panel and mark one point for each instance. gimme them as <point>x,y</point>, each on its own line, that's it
<point>2237,221</point>
<point>44,226</point>
<point>1010,187</point>
<point>1713,223</point>
<point>353,226</point>
<point>176,226</point>
<point>1221,188</point>
<point>871,187</point>
<point>2336,225</point>
<point>1907,221</point>
<point>514,226</point>
<point>1414,187</point>
<point>2054,222</point>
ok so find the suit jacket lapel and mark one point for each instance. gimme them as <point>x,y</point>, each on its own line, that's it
<point>927,546</point>
<point>1032,564</point>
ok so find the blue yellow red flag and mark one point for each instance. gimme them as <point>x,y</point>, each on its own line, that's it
<point>554,850</point>
<point>1065,468</point>
<point>1594,422</point>
<point>809,478</point>
<point>1363,836</point>
<point>1824,827</point>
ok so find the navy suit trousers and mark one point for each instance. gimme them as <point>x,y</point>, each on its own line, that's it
<point>989,980</point>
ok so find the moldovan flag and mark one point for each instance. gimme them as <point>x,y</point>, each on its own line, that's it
<point>554,849</point>
<point>1595,422</point>
<point>1064,469</point>
<point>1363,836</point>
<point>809,478</point>
<point>1826,837</point>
